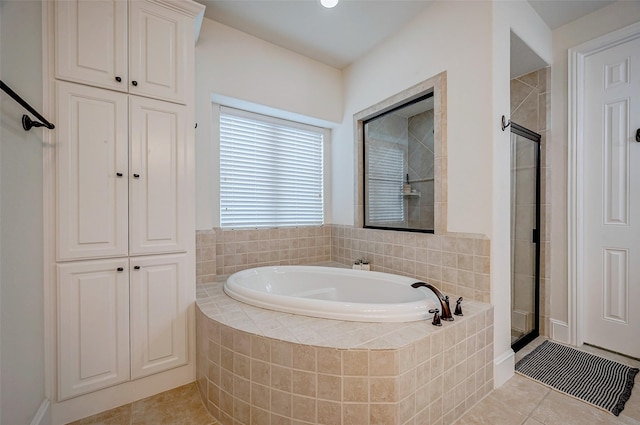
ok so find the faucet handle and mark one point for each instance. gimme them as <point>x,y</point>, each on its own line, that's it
<point>458,311</point>
<point>446,314</point>
<point>436,317</point>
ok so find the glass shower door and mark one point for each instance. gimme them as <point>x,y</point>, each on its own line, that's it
<point>525,240</point>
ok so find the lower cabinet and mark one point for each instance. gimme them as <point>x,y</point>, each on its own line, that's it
<point>120,319</point>
<point>158,314</point>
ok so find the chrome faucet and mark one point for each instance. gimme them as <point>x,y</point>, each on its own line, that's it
<point>444,300</point>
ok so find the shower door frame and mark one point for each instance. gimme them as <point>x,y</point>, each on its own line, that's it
<point>535,332</point>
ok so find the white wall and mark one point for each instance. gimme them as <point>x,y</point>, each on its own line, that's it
<point>601,22</point>
<point>21,254</point>
<point>250,71</point>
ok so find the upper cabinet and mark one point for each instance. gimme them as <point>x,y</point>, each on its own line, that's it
<point>91,43</point>
<point>149,57</point>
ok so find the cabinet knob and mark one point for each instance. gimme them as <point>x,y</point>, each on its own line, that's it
<point>136,176</point>
<point>120,269</point>
<point>119,174</point>
<point>118,79</point>
<point>136,267</point>
<point>134,83</point>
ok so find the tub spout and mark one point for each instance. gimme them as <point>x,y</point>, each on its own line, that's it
<point>444,300</point>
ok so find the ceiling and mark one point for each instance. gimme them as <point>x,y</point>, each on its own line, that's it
<point>339,36</point>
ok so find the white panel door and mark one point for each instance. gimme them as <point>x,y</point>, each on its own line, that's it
<point>158,40</point>
<point>612,199</point>
<point>91,42</point>
<point>93,326</point>
<point>159,304</point>
<point>92,166</point>
<point>158,219</point>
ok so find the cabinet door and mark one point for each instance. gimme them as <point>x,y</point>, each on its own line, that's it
<point>91,42</point>
<point>158,218</point>
<point>159,304</point>
<point>93,326</point>
<point>92,165</point>
<point>158,41</point>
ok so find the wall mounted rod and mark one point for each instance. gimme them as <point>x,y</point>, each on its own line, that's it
<point>27,123</point>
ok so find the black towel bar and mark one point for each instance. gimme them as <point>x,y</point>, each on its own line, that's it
<point>27,123</point>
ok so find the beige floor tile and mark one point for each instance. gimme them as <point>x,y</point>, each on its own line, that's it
<point>491,411</point>
<point>180,406</point>
<point>558,408</point>
<point>118,416</point>
<point>532,421</point>
<point>521,394</point>
<point>632,408</point>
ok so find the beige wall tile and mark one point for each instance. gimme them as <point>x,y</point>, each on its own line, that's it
<point>304,383</point>
<point>355,362</point>
<point>329,387</point>
<point>304,357</point>
<point>383,414</point>
<point>355,414</point>
<point>356,389</point>
<point>329,413</point>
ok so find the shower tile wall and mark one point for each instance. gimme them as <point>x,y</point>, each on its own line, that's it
<point>456,263</point>
<point>531,108</point>
<point>420,210</point>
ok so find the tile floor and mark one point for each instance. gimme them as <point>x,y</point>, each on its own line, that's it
<point>520,401</point>
<point>180,406</point>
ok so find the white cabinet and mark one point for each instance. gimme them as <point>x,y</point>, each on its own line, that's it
<point>120,319</point>
<point>124,194</point>
<point>93,326</point>
<point>159,304</point>
<point>91,42</point>
<point>158,217</point>
<point>158,41</point>
<point>150,56</point>
<point>121,181</point>
<point>92,164</point>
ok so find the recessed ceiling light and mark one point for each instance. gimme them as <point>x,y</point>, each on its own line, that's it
<point>329,3</point>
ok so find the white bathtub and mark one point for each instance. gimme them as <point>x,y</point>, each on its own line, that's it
<point>333,293</point>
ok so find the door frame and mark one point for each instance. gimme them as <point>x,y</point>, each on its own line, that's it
<point>575,186</point>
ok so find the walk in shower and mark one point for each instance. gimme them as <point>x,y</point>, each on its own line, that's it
<point>525,236</point>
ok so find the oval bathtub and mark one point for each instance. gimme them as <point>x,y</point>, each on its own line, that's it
<point>333,293</point>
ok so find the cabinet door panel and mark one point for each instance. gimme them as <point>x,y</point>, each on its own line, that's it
<point>159,304</point>
<point>158,198</point>
<point>93,326</point>
<point>159,40</point>
<point>91,42</point>
<point>91,151</point>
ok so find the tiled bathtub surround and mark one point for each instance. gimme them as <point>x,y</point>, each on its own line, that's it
<point>244,249</point>
<point>456,263</point>
<point>257,366</point>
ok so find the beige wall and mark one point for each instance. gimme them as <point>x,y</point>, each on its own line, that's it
<point>21,217</point>
<point>601,22</point>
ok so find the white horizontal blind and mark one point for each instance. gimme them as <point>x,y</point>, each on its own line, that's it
<point>385,178</point>
<point>271,172</point>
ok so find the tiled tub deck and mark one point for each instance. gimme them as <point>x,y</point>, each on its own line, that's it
<point>257,366</point>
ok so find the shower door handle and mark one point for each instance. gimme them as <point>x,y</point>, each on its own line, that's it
<point>638,135</point>
<point>534,235</point>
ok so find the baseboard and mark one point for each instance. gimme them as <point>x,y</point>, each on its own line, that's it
<point>559,331</point>
<point>43,415</point>
<point>503,367</point>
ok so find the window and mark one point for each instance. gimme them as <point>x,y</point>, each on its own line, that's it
<point>271,172</point>
<point>385,169</point>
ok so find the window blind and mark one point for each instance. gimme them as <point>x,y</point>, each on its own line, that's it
<point>385,171</point>
<point>271,172</point>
